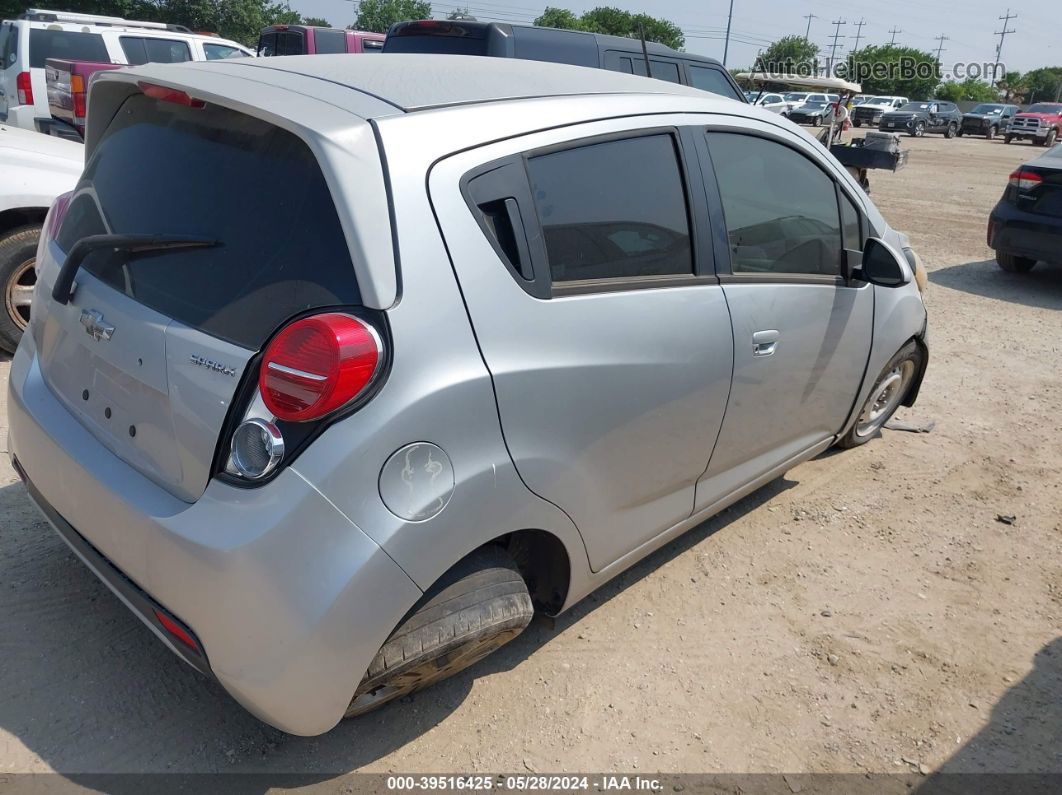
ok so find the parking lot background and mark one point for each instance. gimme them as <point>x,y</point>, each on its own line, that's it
<point>865,612</point>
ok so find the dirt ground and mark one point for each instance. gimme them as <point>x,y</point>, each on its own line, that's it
<point>867,612</point>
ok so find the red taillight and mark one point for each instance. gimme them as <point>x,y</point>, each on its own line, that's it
<point>24,86</point>
<point>167,94</point>
<point>56,214</point>
<point>1025,180</point>
<point>177,631</point>
<point>318,364</point>
<point>77,92</point>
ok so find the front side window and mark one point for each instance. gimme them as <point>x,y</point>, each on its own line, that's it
<point>613,210</point>
<point>780,208</point>
<point>708,79</point>
<point>141,50</point>
<point>218,52</point>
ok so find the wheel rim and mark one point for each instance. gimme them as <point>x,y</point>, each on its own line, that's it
<point>428,672</point>
<point>884,398</point>
<point>919,129</point>
<point>19,293</point>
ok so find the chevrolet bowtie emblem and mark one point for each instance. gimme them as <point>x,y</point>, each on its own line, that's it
<point>95,326</point>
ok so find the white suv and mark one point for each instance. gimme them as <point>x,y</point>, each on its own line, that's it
<point>27,42</point>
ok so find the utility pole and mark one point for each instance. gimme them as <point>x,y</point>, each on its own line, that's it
<point>726,46</point>
<point>807,33</point>
<point>1003,33</point>
<point>859,33</point>
<point>894,31</point>
<point>941,38</point>
<point>833,51</point>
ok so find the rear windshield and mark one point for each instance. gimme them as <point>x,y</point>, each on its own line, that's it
<point>162,168</point>
<point>446,45</point>
<point>286,42</point>
<point>73,46</point>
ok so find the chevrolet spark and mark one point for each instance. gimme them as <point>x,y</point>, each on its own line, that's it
<point>341,368</point>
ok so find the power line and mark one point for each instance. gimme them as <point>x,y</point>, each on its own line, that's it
<point>894,31</point>
<point>1003,33</point>
<point>941,38</point>
<point>836,37</point>
<point>807,33</point>
<point>859,33</point>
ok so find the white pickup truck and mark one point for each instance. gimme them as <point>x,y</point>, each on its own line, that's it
<point>36,168</point>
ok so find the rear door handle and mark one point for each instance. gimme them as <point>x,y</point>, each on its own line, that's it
<point>764,342</point>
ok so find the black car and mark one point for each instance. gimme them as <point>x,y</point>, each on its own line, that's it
<point>987,119</point>
<point>1026,224</point>
<point>618,53</point>
<point>919,118</point>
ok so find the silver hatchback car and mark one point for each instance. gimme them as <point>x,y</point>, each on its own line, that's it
<point>342,367</point>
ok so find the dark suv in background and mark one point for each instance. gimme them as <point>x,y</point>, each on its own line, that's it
<point>988,119</point>
<point>616,53</point>
<point>918,118</point>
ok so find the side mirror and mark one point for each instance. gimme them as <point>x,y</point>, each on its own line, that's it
<point>882,265</point>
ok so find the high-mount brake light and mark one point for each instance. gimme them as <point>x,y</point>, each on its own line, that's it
<point>317,365</point>
<point>1025,180</point>
<point>167,94</point>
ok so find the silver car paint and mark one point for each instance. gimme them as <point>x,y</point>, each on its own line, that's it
<point>282,584</point>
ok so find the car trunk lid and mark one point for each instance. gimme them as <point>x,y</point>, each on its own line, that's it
<point>150,349</point>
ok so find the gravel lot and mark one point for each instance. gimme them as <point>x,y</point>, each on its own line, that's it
<point>864,613</point>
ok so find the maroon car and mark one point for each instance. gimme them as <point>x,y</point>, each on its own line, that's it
<point>310,40</point>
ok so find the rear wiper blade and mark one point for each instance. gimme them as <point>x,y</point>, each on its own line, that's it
<point>134,245</point>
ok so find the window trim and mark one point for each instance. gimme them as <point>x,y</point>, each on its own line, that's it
<point>724,263</point>
<point>543,286</point>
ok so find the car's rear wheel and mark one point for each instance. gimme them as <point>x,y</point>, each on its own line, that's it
<point>952,129</point>
<point>919,129</point>
<point>992,131</point>
<point>959,132</point>
<point>1012,263</point>
<point>886,396</point>
<point>478,606</point>
<point>18,275</point>
<point>1052,136</point>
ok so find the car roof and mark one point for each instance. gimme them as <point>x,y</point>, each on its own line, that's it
<point>419,82</point>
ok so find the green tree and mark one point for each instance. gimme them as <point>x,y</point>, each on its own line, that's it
<point>558,18</point>
<point>969,89</point>
<point>240,20</point>
<point>894,70</point>
<point>379,15</point>
<point>317,22</point>
<point>615,22</point>
<point>1013,85</point>
<point>1043,84</point>
<point>788,55</point>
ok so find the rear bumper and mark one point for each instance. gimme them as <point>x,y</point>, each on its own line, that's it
<point>288,598</point>
<point>1026,234</point>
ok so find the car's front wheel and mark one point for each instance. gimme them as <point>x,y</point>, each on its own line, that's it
<point>951,131</point>
<point>1008,138</point>
<point>1052,136</point>
<point>886,396</point>
<point>857,123</point>
<point>18,275</point>
<point>992,131</point>
<point>1012,263</point>
<point>919,129</point>
<point>478,606</point>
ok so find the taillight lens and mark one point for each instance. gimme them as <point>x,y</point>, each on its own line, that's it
<point>167,94</point>
<point>78,95</point>
<point>56,214</point>
<point>1025,180</point>
<point>317,365</point>
<point>24,87</point>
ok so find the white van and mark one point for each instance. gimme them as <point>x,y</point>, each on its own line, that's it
<point>27,42</point>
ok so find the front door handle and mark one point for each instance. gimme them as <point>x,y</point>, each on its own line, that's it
<point>764,342</point>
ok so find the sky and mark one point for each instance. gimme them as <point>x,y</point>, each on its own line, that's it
<point>969,24</point>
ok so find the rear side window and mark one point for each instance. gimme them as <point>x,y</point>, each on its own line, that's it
<point>558,46</point>
<point>329,41</point>
<point>442,44</point>
<point>662,70</point>
<point>71,45</point>
<point>781,209</point>
<point>613,210</point>
<point>708,79</point>
<point>214,173</point>
<point>140,50</point>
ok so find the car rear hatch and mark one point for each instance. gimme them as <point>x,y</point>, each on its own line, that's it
<point>150,348</point>
<point>1044,194</point>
